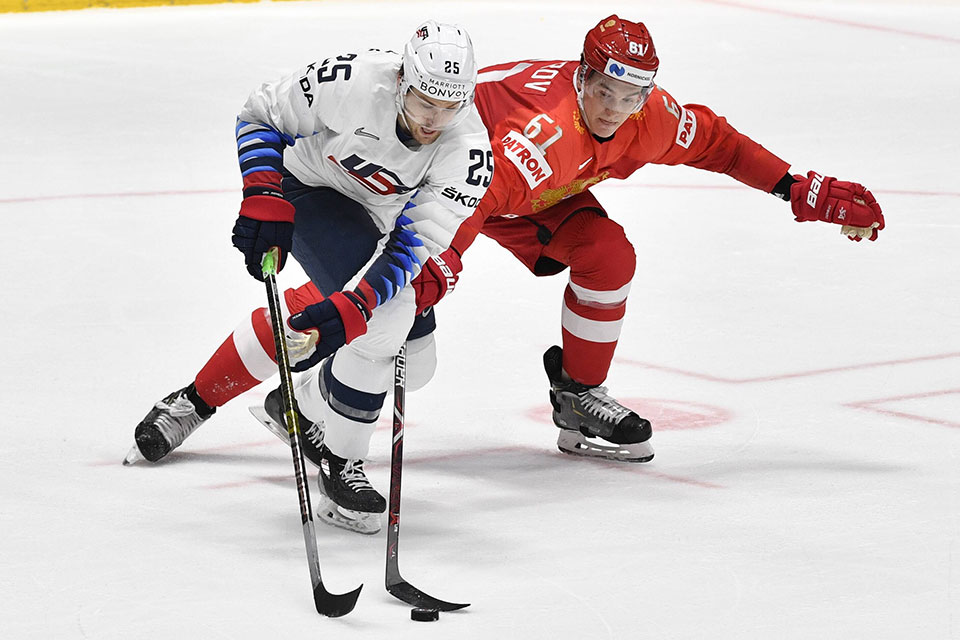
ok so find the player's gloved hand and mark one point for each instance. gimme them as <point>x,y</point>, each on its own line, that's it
<point>301,347</point>
<point>338,319</point>
<point>437,278</point>
<point>830,200</point>
<point>264,222</point>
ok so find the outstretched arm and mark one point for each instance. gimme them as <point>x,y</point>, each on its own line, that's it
<point>707,141</point>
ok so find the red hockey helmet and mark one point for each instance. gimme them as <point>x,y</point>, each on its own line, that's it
<point>622,50</point>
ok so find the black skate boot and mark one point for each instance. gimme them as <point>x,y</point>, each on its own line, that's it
<point>349,500</point>
<point>168,424</point>
<point>311,433</point>
<point>585,413</point>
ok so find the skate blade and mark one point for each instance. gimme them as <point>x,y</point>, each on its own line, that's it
<point>275,428</point>
<point>133,456</point>
<point>576,444</point>
<point>356,521</point>
<point>280,431</point>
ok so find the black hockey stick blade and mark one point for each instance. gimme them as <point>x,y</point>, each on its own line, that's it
<point>328,604</point>
<point>334,605</point>
<point>408,593</point>
<point>396,585</point>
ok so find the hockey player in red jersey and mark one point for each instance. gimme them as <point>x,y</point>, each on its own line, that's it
<point>556,129</point>
<point>559,127</point>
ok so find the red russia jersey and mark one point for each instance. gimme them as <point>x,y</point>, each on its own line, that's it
<point>543,152</point>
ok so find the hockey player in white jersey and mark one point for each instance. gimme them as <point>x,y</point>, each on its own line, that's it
<point>362,167</point>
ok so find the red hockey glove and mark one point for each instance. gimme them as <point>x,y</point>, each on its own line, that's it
<point>338,319</point>
<point>845,203</point>
<point>437,278</point>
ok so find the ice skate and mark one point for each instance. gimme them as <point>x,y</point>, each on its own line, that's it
<point>349,501</point>
<point>271,416</point>
<point>168,424</point>
<point>587,415</point>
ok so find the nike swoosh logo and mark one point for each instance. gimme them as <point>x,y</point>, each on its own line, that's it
<point>585,163</point>
<point>361,132</point>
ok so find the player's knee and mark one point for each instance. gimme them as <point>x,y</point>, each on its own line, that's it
<point>421,361</point>
<point>301,297</point>
<point>606,249</point>
<point>388,328</point>
<point>379,348</point>
<point>260,340</point>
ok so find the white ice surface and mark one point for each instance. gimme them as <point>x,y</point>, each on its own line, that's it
<point>804,389</point>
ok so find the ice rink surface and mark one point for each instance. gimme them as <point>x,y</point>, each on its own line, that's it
<point>804,389</point>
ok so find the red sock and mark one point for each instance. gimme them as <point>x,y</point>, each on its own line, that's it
<point>248,356</point>
<point>590,334</point>
<point>226,375</point>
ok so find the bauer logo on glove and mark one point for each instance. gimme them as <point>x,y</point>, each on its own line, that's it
<point>830,200</point>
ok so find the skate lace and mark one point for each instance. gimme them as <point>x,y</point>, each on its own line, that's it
<point>596,401</point>
<point>176,419</point>
<point>354,477</point>
<point>314,433</point>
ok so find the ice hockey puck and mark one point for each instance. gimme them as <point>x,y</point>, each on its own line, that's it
<point>425,615</point>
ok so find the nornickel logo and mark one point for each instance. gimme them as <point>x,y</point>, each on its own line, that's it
<point>617,69</point>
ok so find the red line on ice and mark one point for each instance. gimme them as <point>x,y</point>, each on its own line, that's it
<point>615,184</point>
<point>785,376</point>
<point>839,21</point>
<point>428,459</point>
<point>129,194</point>
<point>908,416</point>
<point>869,405</point>
<point>228,447</point>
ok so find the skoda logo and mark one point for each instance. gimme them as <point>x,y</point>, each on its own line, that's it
<point>617,69</point>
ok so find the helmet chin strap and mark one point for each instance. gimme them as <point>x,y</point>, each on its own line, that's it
<point>401,111</point>
<point>578,80</point>
<point>404,126</point>
<point>402,117</point>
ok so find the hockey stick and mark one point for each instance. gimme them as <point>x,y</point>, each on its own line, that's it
<point>396,585</point>
<point>328,604</point>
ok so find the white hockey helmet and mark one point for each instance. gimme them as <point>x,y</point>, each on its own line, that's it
<point>438,62</point>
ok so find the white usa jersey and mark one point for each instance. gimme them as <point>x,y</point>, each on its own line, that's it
<point>339,120</point>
